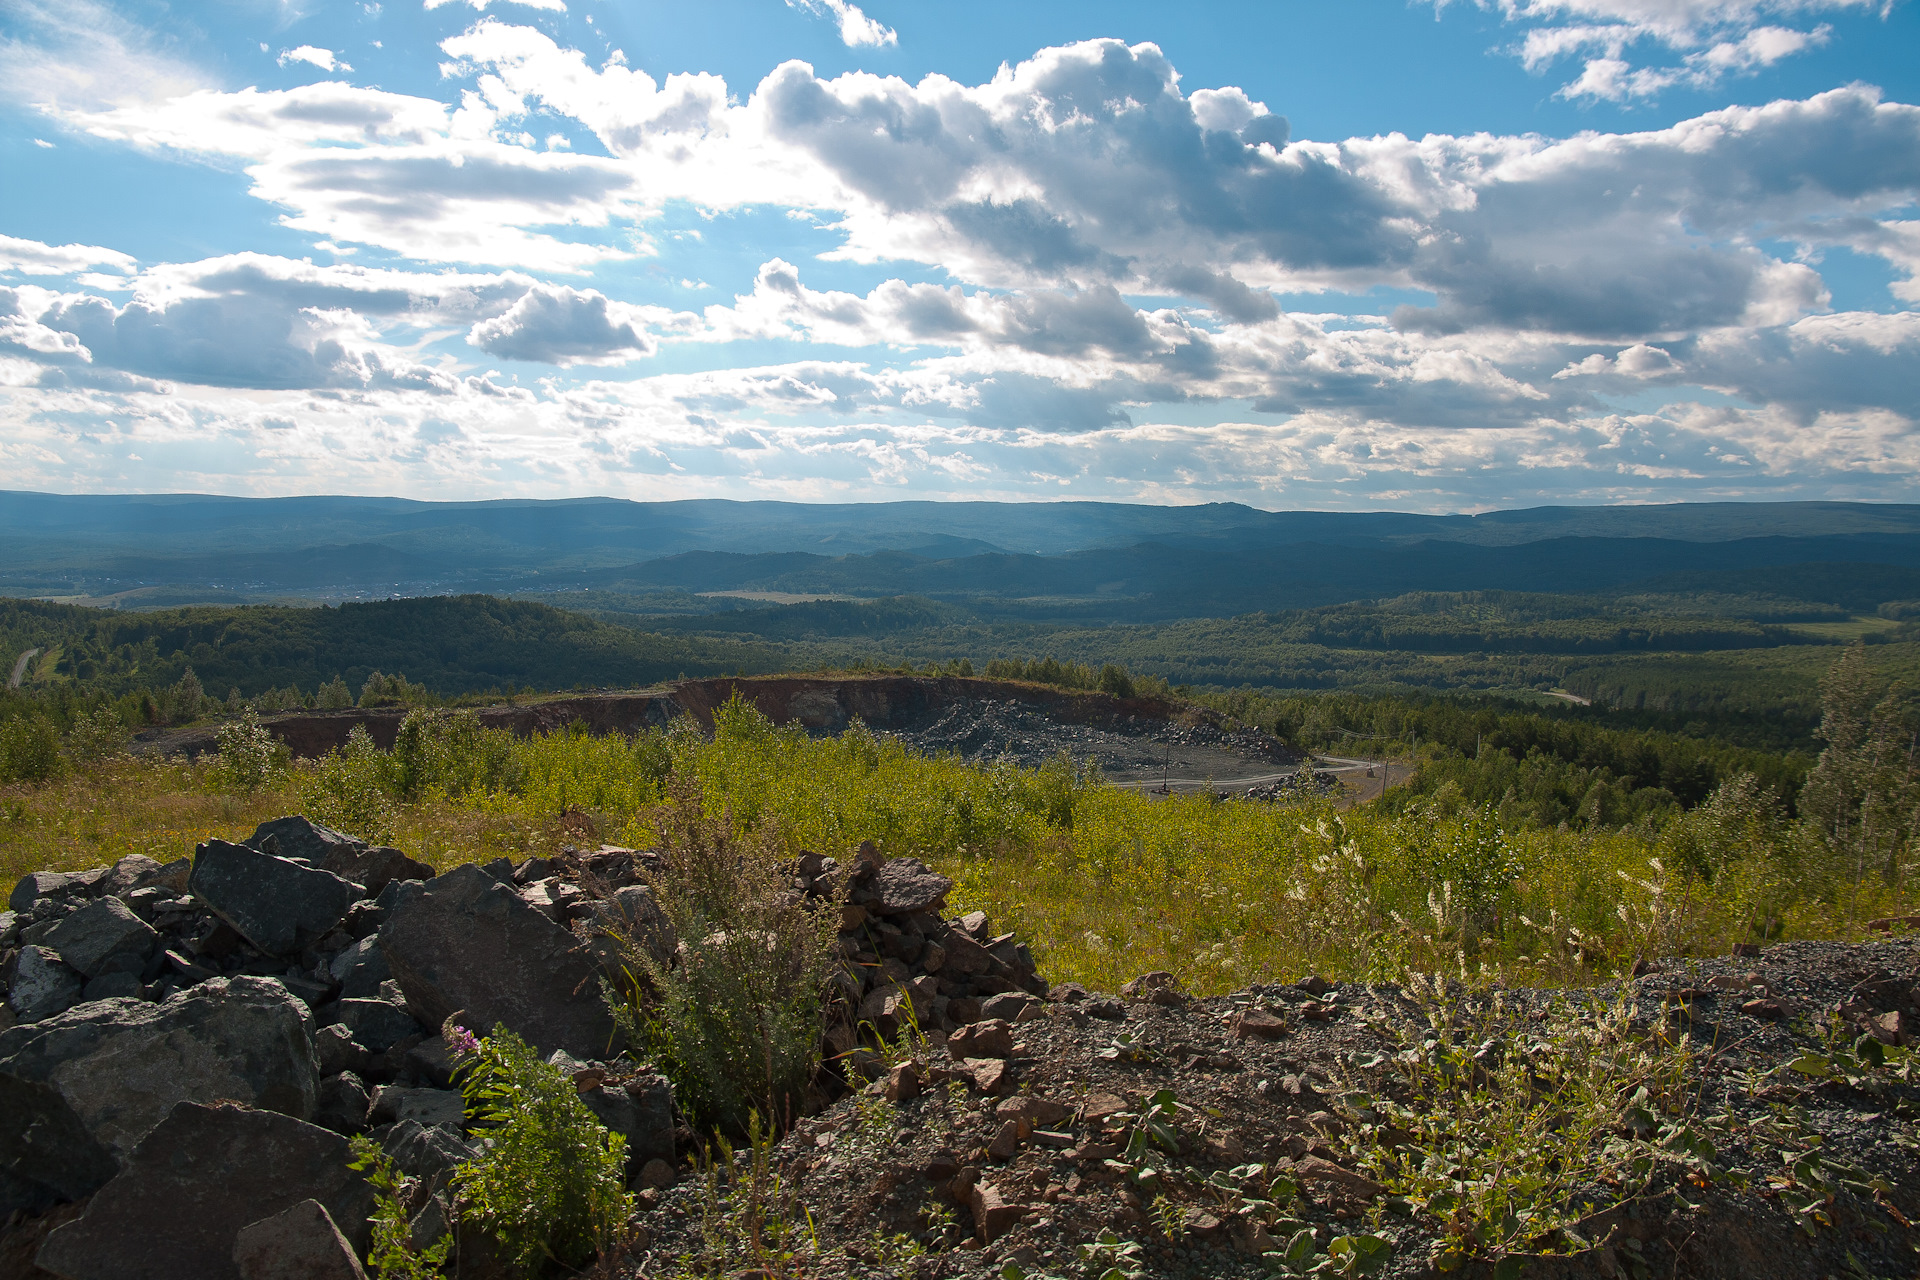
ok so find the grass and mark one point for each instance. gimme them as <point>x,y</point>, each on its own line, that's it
<point>1103,883</point>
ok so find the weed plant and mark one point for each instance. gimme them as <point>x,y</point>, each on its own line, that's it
<point>1512,1134</point>
<point>751,1222</point>
<point>734,1013</point>
<point>549,1182</point>
<point>1104,883</point>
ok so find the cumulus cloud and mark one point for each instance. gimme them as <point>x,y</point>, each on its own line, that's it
<point>565,326</point>
<point>856,28</point>
<point>312,54</point>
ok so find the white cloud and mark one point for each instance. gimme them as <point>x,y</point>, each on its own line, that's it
<point>566,326</point>
<point>84,55</point>
<point>321,58</point>
<point>30,257</point>
<point>1718,37</point>
<point>857,30</point>
<point>555,6</point>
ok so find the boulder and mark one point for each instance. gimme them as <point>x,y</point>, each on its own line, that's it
<point>375,1024</point>
<point>426,1152</point>
<point>172,877</point>
<point>103,931</point>
<point>126,875</point>
<point>112,986</point>
<point>37,885</point>
<point>641,1111</point>
<point>42,985</point>
<point>78,1091</point>
<point>277,904</point>
<point>301,1243</point>
<point>465,943</point>
<point>360,969</point>
<point>991,1038</point>
<point>303,840</point>
<point>334,1050</point>
<point>430,1108</point>
<point>194,1183</point>
<point>344,1104</point>
<point>906,885</point>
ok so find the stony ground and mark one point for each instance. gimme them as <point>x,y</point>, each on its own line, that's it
<point>960,1180</point>
<point>1126,748</point>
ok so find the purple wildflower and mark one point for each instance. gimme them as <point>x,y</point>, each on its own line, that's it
<point>464,1042</point>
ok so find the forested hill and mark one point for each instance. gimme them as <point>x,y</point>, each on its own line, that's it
<point>451,644</point>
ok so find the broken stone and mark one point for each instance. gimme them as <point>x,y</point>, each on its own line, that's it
<point>988,1039</point>
<point>1158,987</point>
<point>344,1104</point>
<point>1259,1024</point>
<point>42,985</point>
<point>993,1215</point>
<point>641,1111</point>
<point>1894,1028</point>
<point>193,1183</point>
<point>908,884</point>
<point>657,1175</point>
<point>78,1091</point>
<point>425,1152</point>
<point>276,904</point>
<point>102,932</point>
<point>1314,985</point>
<point>172,877</point>
<point>301,1243</point>
<point>374,1023</point>
<point>903,1082</point>
<point>124,875</point>
<point>37,885</point>
<point>976,926</point>
<point>303,840</point>
<point>334,1051</point>
<point>1008,1007</point>
<point>465,943</point>
<point>1321,1170</point>
<point>991,1076</point>
<point>428,1108</point>
<point>1008,1138</point>
<point>112,986</point>
<point>1038,1110</point>
<point>360,969</point>
<point>432,1060</point>
<point>634,913</point>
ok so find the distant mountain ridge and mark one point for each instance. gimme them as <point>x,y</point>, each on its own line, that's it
<point>1149,561</point>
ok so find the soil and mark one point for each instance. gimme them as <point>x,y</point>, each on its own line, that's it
<point>866,1182</point>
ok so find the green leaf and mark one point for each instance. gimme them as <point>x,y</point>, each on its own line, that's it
<point>1811,1064</point>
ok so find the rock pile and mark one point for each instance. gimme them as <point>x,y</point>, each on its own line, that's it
<point>907,967</point>
<point>225,1022</point>
<point>190,1044</point>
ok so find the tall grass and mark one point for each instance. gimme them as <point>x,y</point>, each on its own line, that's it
<point>1104,883</point>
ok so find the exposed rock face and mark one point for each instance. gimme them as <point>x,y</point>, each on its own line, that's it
<point>42,985</point>
<point>193,1184</point>
<point>277,904</point>
<point>301,1243</point>
<point>468,944</point>
<point>101,933</point>
<point>79,1090</point>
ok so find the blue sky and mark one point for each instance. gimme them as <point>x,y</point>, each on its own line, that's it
<point>1345,256</point>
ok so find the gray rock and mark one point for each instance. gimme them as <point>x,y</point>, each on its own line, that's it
<point>432,1060</point>
<point>301,1243</point>
<point>425,1152</point>
<point>37,885</point>
<point>430,1108</point>
<point>9,927</point>
<point>42,985</point>
<point>303,840</point>
<point>100,931</point>
<point>374,1023</point>
<point>312,993</point>
<point>334,1051</point>
<point>172,876</point>
<point>907,884</point>
<point>193,1183</point>
<point>125,875</point>
<point>345,1104</point>
<point>79,1090</point>
<point>465,943</point>
<point>113,986</point>
<point>635,914</point>
<point>641,1111</point>
<point>360,969</point>
<point>277,904</point>
<point>348,857</point>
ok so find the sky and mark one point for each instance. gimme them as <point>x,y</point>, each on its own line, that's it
<point>1354,256</point>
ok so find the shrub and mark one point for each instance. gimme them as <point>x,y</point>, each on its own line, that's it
<point>549,1180</point>
<point>737,1017</point>
<point>392,1255</point>
<point>353,789</point>
<point>29,749</point>
<point>99,735</point>
<point>248,757</point>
